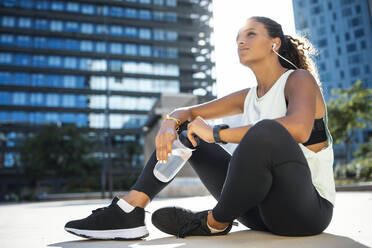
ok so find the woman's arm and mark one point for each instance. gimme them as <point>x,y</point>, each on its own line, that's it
<point>300,91</point>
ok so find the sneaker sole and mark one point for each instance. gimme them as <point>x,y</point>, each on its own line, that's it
<point>118,234</point>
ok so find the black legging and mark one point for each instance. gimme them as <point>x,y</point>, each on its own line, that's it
<point>265,184</point>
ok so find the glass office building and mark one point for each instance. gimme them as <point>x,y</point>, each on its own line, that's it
<point>60,60</point>
<point>341,30</point>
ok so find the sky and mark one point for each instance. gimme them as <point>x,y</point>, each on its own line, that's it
<point>228,17</point>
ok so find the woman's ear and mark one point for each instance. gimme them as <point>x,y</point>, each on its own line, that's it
<point>278,43</point>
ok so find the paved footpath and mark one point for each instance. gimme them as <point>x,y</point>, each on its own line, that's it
<point>30,225</point>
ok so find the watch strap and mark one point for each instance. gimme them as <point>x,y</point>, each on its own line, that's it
<point>216,133</point>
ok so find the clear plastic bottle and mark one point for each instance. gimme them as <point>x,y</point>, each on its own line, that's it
<point>182,150</point>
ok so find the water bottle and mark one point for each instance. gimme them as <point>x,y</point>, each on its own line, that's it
<point>182,150</point>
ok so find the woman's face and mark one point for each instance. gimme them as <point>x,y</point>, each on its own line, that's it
<point>253,42</point>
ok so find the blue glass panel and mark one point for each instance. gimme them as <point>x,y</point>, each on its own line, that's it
<point>144,50</point>
<point>100,47</point>
<point>6,58</point>
<point>10,3</point>
<point>72,44</point>
<point>130,49</point>
<point>42,4</point>
<point>85,64</point>
<point>19,98</point>
<point>52,100</point>
<point>55,81</point>
<point>81,120</point>
<point>101,29</point>
<point>145,1</point>
<point>39,60</point>
<point>21,78</point>
<point>9,159</point>
<point>56,26</point>
<point>5,97</point>
<point>130,31</point>
<point>57,5</point>
<point>51,117</point>
<point>67,118</point>
<point>24,22</point>
<point>54,61</point>
<point>86,45</point>
<point>8,21</point>
<point>144,33</point>
<point>171,17</point>
<point>36,117</point>
<point>38,80</point>
<point>5,78</point>
<point>87,28</point>
<point>40,42</point>
<point>36,99</point>
<point>70,62</point>
<point>81,101</point>
<point>68,100</point>
<point>27,4</point>
<point>4,116</point>
<point>72,7</point>
<point>41,24</point>
<point>158,2</point>
<point>116,30</point>
<point>130,13</point>
<point>72,27</point>
<point>22,59</point>
<point>158,16</point>
<point>19,116</point>
<point>24,41</point>
<point>116,11</point>
<point>80,82</point>
<point>88,9</point>
<point>116,48</point>
<point>6,39</point>
<point>144,14</point>
<point>55,43</point>
<point>69,81</point>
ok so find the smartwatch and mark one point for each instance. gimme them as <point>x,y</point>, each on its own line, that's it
<point>216,133</point>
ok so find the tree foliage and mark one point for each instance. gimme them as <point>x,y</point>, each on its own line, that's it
<point>58,152</point>
<point>349,110</point>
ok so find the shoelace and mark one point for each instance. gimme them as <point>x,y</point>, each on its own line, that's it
<point>188,227</point>
<point>99,209</point>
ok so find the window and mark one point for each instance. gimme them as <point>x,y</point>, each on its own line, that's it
<point>8,21</point>
<point>57,5</point>
<point>363,44</point>
<point>67,118</point>
<point>342,75</point>
<point>68,100</point>
<point>40,42</point>
<point>355,71</point>
<point>24,22</point>
<point>42,4</point>
<point>172,52</point>
<point>41,24</point>
<point>86,64</point>
<point>55,43</point>
<point>87,28</point>
<point>144,33</point>
<point>159,34</point>
<point>359,33</point>
<point>337,63</point>
<point>72,44</point>
<point>347,36</point>
<point>346,12</point>
<point>24,41</point>
<point>54,61</point>
<point>116,48</point>
<point>21,78</point>
<point>70,62</point>
<point>130,13</point>
<point>357,8</point>
<point>171,17</point>
<point>145,1</point>
<point>86,45</point>
<point>116,30</point>
<point>116,65</point>
<point>72,7</point>
<point>39,60</point>
<point>5,78</point>
<point>69,81</point>
<point>172,3</point>
<point>334,16</point>
<point>144,14</point>
<point>54,81</point>
<point>117,11</point>
<point>81,101</point>
<point>52,100</point>
<point>26,4</point>
<point>316,10</point>
<point>72,27</point>
<point>56,26</point>
<point>22,59</point>
<point>87,9</point>
<point>172,35</point>
<point>38,80</point>
<point>19,98</point>
<point>36,99</point>
<point>130,49</point>
<point>158,15</point>
<point>144,50</point>
<point>329,5</point>
<point>5,58</point>
<point>130,31</point>
<point>351,47</point>
<point>337,38</point>
<point>100,47</point>
<point>367,69</point>
<point>6,39</point>
<point>51,117</point>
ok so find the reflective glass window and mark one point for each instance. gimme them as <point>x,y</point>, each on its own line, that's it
<point>19,98</point>
<point>158,15</point>
<point>5,58</point>
<point>72,7</point>
<point>38,80</point>
<point>69,81</point>
<point>51,117</point>
<point>144,33</point>
<point>8,21</point>
<point>100,47</point>
<point>171,17</point>
<point>22,59</point>
<point>81,120</point>
<point>52,100</point>
<point>172,35</point>
<point>57,5</point>
<point>87,28</point>
<point>54,81</point>
<point>116,48</point>
<point>86,45</point>
<point>81,101</point>
<point>26,4</point>
<point>20,78</point>
<point>68,118</point>
<point>130,13</point>
<point>130,31</point>
<point>55,43</point>
<point>24,22</point>
<point>116,65</point>
<point>36,117</point>
<point>54,61</point>
<point>116,30</point>
<point>159,34</point>
<point>41,24</point>
<point>56,26</point>
<point>72,27</point>
<point>6,39</point>
<point>145,1</point>
<point>101,29</point>
<point>42,4</point>
<point>36,99</point>
<point>144,14</point>
<point>116,11</point>
<point>85,64</point>
<point>40,42</point>
<point>72,44</point>
<point>158,2</point>
<point>5,97</point>
<point>70,62</point>
<point>5,78</point>
<point>68,100</point>
<point>130,49</point>
<point>144,50</point>
<point>172,52</point>
<point>24,41</point>
<point>9,160</point>
<point>171,3</point>
<point>88,9</point>
<point>39,60</point>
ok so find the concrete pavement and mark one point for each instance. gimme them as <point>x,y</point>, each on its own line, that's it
<point>41,225</point>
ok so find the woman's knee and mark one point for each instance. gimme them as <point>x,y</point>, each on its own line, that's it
<point>263,132</point>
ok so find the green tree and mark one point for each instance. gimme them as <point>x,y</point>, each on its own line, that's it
<point>58,152</point>
<point>349,110</point>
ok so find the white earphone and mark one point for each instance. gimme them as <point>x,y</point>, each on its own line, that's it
<point>273,48</point>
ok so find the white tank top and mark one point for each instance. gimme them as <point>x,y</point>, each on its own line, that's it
<point>273,105</point>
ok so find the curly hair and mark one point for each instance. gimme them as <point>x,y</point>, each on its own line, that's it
<point>297,50</point>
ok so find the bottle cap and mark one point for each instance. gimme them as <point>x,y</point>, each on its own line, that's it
<point>185,141</point>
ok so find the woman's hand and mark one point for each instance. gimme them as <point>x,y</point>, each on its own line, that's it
<point>164,140</point>
<point>200,128</point>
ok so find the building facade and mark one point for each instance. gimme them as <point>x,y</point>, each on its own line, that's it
<point>100,65</point>
<point>341,30</point>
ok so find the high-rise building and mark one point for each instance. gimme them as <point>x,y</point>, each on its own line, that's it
<point>80,61</point>
<point>341,30</point>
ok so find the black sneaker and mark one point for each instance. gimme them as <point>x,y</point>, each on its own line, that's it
<point>111,223</point>
<point>182,222</point>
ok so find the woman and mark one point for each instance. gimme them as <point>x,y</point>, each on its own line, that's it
<point>279,178</point>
